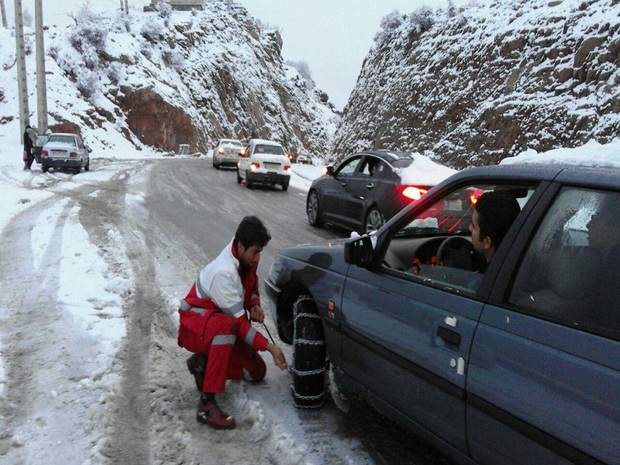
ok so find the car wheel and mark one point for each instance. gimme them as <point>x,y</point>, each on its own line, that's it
<point>238,177</point>
<point>249,184</point>
<point>309,356</point>
<point>374,220</point>
<point>285,186</point>
<point>312,210</point>
<point>216,165</point>
<point>44,169</point>
<point>78,170</point>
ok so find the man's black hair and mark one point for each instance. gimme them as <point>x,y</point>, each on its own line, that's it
<point>251,231</point>
<point>496,212</point>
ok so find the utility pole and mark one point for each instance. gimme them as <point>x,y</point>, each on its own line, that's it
<point>126,6</point>
<point>41,81</point>
<point>22,85</point>
<point>3,12</point>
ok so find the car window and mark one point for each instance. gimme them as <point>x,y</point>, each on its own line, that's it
<point>348,167</point>
<point>435,246</point>
<point>571,269</point>
<point>270,149</point>
<point>68,140</point>
<point>373,167</point>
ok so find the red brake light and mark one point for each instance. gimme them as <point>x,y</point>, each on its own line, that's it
<point>287,168</point>
<point>44,153</point>
<point>473,197</point>
<point>220,150</point>
<point>413,193</point>
<point>73,154</point>
<point>254,166</point>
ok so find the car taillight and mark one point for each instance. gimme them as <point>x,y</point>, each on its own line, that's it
<point>288,168</point>
<point>220,150</point>
<point>473,197</point>
<point>44,153</point>
<point>73,154</point>
<point>254,166</point>
<point>413,193</point>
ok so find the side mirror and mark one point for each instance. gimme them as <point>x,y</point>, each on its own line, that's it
<point>359,251</point>
<point>329,170</point>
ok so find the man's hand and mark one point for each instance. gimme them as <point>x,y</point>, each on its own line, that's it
<point>257,314</point>
<point>278,356</point>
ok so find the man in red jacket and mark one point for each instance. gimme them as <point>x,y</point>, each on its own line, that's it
<point>214,325</point>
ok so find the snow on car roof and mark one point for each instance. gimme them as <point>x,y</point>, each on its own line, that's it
<point>591,154</point>
<point>424,171</point>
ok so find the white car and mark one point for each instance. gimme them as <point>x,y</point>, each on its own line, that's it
<point>264,162</point>
<point>65,151</point>
<point>226,152</point>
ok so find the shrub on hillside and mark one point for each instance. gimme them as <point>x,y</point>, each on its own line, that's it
<point>89,32</point>
<point>423,19</point>
<point>388,24</point>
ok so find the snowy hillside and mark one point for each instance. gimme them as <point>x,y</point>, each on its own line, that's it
<point>166,78</point>
<point>491,81</point>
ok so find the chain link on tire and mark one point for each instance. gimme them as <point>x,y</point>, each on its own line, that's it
<point>309,356</point>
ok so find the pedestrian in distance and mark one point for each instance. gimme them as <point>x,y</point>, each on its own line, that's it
<point>214,324</point>
<point>30,136</point>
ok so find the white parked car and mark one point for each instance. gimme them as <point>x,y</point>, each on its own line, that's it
<point>65,151</point>
<point>264,162</point>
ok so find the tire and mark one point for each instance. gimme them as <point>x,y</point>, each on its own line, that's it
<point>313,210</point>
<point>78,170</point>
<point>374,220</point>
<point>309,356</point>
<point>249,184</point>
<point>285,186</point>
<point>44,169</point>
<point>238,177</point>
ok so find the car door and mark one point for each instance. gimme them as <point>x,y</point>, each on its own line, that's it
<point>408,325</point>
<point>544,372</point>
<point>333,193</point>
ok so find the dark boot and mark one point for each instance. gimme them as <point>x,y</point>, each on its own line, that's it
<point>210,414</point>
<point>196,365</point>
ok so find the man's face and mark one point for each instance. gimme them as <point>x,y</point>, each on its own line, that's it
<point>248,257</point>
<point>481,244</point>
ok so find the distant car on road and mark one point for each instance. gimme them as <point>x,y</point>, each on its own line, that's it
<point>514,363</point>
<point>226,152</point>
<point>369,188</point>
<point>65,151</point>
<point>264,162</point>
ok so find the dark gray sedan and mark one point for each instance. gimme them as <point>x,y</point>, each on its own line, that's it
<point>514,363</point>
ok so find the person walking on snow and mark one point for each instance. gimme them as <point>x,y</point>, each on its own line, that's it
<point>30,136</point>
<point>214,326</point>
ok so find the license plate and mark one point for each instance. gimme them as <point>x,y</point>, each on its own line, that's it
<point>272,166</point>
<point>59,153</point>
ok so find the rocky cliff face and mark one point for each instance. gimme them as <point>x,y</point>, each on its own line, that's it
<point>476,86</point>
<point>165,78</point>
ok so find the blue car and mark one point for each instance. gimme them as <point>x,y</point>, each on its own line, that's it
<point>517,362</point>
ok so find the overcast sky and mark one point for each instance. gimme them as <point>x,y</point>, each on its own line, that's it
<point>332,36</point>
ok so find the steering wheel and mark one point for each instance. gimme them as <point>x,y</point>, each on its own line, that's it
<point>458,252</point>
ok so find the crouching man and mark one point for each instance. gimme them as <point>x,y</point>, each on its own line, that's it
<point>214,325</point>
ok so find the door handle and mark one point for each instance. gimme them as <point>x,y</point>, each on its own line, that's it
<point>370,185</point>
<point>450,337</point>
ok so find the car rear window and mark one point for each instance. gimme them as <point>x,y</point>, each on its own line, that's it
<point>69,140</point>
<point>270,149</point>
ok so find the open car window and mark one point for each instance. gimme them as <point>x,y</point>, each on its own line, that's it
<point>435,247</point>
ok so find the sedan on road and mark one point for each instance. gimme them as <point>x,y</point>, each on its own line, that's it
<point>65,151</point>
<point>515,362</point>
<point>226,152</point>
<point>369,188</point>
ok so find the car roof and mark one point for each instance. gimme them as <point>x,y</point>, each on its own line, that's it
<point>608,178</point>
<point>264,142</point>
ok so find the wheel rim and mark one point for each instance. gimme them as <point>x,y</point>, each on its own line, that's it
<point>373,220</point>
<point>313,208</point>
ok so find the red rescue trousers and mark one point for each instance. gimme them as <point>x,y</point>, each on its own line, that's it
<point>227,356</point>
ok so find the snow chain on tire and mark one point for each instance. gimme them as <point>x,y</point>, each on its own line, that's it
<point>309,356</point>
